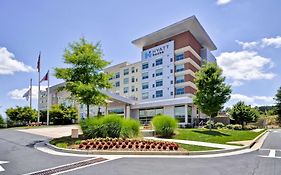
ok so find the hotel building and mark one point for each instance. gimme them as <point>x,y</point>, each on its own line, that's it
<point>163,81</point>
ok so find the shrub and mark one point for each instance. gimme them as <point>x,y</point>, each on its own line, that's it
<point>229,126</point>
<point>164,125</point>
<point>250,127</point>
<point>130,128</point>
<point>210,124</point>
<point>112,124</point>
<point>2,122</point>
<point>237,127</point>
<point>219,125</point>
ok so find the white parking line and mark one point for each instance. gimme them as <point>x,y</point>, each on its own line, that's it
<point>272,153</point>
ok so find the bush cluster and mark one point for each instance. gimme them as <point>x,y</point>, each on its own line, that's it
<point>112,125</point>
<point>164,125</point>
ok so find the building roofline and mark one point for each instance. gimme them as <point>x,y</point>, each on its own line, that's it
<point>189,24</point>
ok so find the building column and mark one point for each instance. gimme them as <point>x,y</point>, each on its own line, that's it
<point>127,111</point>
<point>186,113</point>
<point>194,114</point>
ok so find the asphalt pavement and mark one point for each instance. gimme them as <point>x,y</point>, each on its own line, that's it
<point>17,148</point>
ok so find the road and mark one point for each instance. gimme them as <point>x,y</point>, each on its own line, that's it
<point>16,147</point>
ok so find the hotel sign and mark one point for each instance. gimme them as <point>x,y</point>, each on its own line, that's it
<point>158,50</point>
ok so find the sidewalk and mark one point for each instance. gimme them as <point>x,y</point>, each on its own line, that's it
<point>188,142</point>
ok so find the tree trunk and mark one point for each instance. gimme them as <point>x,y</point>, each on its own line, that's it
<point>210,123</point>
<point>88,110</point>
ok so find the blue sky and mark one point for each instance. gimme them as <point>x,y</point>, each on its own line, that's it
<point>246,32</point>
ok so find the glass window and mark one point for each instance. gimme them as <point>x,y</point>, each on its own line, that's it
<point>159,93</point>
<point>133,69</point>
<point>179,57</point>
<point>145,95</point>
<point>116,111</point>
<point>117,83</point>
<point>180,113</point>
<point>111,78</point>
<point>145,75</point>
<point>133,79</point>
<point>145,85</point>
<point>117,75</point>
<point>144,65</point>
<point>159,61</point>
<point>159,72</point>
<point>126,89</point>
<point>179,91</point>
<point>189,113</point>
<point>180,68</point>
<point>159,83</point>
<point>133,88</point>
<point>126,80</point>
<point>126,71</point>
<point>180,79</point>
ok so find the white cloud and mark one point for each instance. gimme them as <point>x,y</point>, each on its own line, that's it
<point>18,93</point>
<point>276,42</point>
<point>251,100</point>
<point>247,45</point>
<point>223,2</point>
<point>236,83</point>
<point>245,65</point>
<point>9,65</point>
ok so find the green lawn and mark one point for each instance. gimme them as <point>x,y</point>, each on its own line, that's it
<point>215,136</point>
<point>197,148</point>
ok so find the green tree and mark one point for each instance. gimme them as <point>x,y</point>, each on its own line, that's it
<point>242,113</point>
<point>2,122</point>
<point>212,92</point>
<point>21,115</point>
<point>278,104</point>
<point>60,114</point>
<point>84,77</point>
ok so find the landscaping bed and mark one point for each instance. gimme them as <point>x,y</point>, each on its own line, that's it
<point>116,144</point>
<point>222,136</point>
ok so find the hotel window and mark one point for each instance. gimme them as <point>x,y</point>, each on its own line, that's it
<point>179,91</point>
<point>145,85</point>
<point>144,65</point>
<point>133,88</point>
<point>159,72</point>
<point>180,114</point>
<point>110,78</point>
<point>126,71</point>
<point>133,79</point>
<point>180,68</point>
<point>180,79</point>
<point>145,75</point>
<point>159,83</point>
<point>117,75</point>
<point>189,113</point>
<point>145,95</point>
<point>126,80</point>
<point>117,83</point>
<point>159,93</point>
<point>159,61</point>
<point>133,69</point>
<point>179,57</point>
<point>126,89</point>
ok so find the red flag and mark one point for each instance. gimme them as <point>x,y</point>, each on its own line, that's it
<point>46,77</point>
<point>38,62</point>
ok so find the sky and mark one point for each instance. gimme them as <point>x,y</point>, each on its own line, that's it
<point>246,32</point>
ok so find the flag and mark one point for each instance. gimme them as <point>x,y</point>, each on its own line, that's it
<point>26,94</point>
<point>46,77</point>
<point>38,62</point>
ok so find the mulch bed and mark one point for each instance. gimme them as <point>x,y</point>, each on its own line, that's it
<point>116,144</point>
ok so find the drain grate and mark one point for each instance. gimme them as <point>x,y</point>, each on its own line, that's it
<point>68,167</point>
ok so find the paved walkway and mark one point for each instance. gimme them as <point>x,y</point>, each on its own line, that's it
<point>188,142</point>
<point>52,131</point>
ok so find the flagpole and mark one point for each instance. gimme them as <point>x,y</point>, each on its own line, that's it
<point>38,67</point>
<point>30,93</point>
<point>48,99</point>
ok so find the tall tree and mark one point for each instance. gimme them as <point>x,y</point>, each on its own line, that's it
<point>84,77</point>
<point>212,92</point>
<point>278,104</point>
<point>21,114</point>
<point>243,113</point>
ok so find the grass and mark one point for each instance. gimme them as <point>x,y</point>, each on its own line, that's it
<point>64,142</point>
<point>221,136</point>
<point>197,148</point>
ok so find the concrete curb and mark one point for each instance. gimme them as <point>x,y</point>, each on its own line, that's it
<point>164,153</point>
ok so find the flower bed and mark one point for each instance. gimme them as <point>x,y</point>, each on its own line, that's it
<point>125,145</point>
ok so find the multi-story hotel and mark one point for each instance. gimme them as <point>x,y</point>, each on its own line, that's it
<point>163,81</point>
